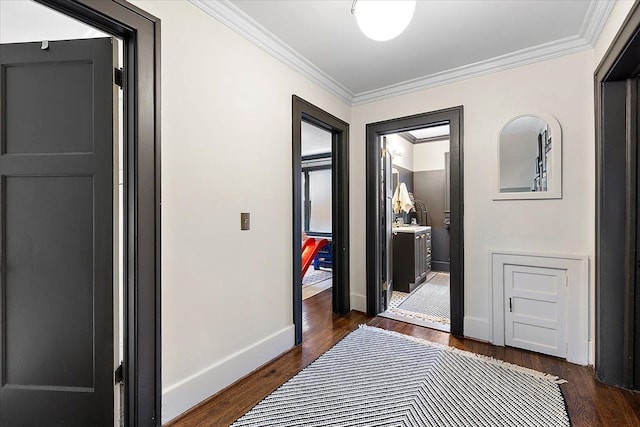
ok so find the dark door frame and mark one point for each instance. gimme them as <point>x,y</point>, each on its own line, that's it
<point>305,111</point>
<point>140,32</point>
<point>374,131</point>
<point>617,262</point>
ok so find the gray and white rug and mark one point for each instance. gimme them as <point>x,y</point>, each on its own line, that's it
<point>315,276</point>
<point>375,377</point>
<point>429,302</point>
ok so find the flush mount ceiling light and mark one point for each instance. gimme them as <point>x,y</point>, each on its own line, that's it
<point>383,20</point>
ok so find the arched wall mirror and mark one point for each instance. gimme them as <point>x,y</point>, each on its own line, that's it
<point>529,158</point>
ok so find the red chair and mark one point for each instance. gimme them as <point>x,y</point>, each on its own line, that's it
<point>309,250</point>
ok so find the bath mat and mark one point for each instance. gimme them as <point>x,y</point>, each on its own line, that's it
<point>429,302</point>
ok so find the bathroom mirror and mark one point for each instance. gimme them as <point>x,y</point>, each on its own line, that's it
<point>529,158</point>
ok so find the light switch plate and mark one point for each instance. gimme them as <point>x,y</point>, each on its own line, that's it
<point>245,220</point>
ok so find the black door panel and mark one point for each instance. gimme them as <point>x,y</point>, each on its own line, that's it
<point>56,228</point>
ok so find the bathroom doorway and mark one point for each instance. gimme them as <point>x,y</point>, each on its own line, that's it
<point>420,232</point>
<point>429,210</point>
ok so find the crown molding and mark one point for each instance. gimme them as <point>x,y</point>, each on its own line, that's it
<point>526,56</point>
<point>594,21</point>
<point>234,18</point>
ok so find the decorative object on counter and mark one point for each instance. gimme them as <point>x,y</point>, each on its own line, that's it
<point>420,209</point>
<point>529,158</point>
<point>375,377</point>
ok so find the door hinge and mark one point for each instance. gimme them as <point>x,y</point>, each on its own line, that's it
<point>119,375</point>
<point>383,153</point>
<point>385,286</point>
<point>118,77</point>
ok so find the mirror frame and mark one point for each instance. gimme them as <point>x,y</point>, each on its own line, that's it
<point>554,190</point>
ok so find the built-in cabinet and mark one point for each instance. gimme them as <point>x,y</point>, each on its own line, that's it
<point>411,257</point>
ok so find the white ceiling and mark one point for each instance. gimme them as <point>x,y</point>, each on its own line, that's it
<point>315,140</point>
<point>430,132</point>
<point>27,21</point>
<point>446,40</point>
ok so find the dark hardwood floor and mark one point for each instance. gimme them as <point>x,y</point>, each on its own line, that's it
<point>589,402</point>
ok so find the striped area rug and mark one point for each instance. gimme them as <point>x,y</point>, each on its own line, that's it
<point>375,377</point>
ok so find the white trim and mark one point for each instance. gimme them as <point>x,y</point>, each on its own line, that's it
<point>358,303</point>
<point>477,328</point>
<point>595,20</point>
<point>234,18</point>
<point>577,267</point>
<point>179,397</point>
<point>526,56</point>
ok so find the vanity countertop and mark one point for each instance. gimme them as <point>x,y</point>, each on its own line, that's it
<point>411,229</point>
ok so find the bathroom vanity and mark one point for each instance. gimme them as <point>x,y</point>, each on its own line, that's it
<point>411,256</point>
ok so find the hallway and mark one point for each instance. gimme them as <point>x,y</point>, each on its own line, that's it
<point>589,402</point>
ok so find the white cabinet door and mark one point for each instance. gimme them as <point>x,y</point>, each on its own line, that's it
<point>535,315</point>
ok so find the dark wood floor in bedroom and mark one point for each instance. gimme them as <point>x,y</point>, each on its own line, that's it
<point>589,402</point>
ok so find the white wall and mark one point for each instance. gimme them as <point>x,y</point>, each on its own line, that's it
<point>561,87</point>
<point>226,149</point>
<point>406,159</point>
<point>429,156</point>
<point>614,22</point>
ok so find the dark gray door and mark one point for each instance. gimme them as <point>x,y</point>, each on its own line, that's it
<point>385,225</point>
<point>56,234</point>
<point>633,137</point>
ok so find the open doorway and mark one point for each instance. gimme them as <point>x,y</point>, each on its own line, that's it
<point>420,237</point>
<point>383,239</point>
<point>317,200</point>
<point>319,217</point>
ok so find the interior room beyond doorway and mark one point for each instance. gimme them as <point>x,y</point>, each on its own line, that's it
<point>316,210</point>
<point>420,174</point>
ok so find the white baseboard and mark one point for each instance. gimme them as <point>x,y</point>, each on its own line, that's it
<point>359,303</point>
<point>185,394</point>
<point>477,328</point>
